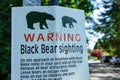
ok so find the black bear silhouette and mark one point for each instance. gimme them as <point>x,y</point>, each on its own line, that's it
<point>68,20</point>
<point>35,17</point>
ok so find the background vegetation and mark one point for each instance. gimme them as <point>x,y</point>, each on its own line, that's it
<point>109,26</point>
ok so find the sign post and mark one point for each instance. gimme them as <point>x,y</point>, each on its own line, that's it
<point>31,2</point>
<point>55,2</point>
<point>48,43</point>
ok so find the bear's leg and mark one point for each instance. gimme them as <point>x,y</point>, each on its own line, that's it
<point>64,25</point>
<point>41,26</point>
<point>46,24</point>
<point>30,25</point>
<point>71,25</point>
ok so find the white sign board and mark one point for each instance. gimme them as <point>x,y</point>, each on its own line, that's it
<point>48,43</point>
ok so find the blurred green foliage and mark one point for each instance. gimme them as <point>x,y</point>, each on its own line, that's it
<point>5,40</point>
<point>110,27</point>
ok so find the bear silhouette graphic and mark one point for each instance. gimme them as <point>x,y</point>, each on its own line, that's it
<point>38,17</point>
<point>68,20</point>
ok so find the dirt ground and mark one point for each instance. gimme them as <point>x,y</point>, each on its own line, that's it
<point>100,71</point>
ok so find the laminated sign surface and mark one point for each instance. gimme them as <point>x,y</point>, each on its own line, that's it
<point>48,43</point>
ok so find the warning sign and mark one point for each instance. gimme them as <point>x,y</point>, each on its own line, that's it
<point>48,43</point>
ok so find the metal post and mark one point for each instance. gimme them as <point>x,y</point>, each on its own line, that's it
<point>55,2</point>
<point>31,2</point>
